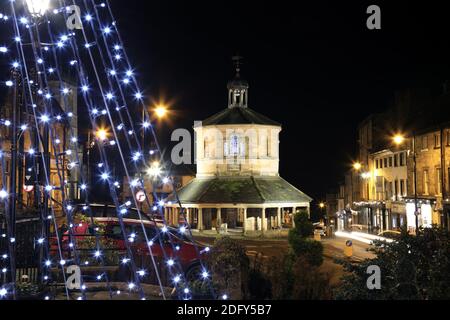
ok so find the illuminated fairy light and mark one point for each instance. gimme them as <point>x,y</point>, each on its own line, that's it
<point>141,273</point>
<point>3,194</point>
<point>45,118</point>
<point>105,176</point>
<point>117,47</point>
<point>3,292</point>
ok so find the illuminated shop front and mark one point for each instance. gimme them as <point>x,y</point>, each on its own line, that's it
<point>426,211</point>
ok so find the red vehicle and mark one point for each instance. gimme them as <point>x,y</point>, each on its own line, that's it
<point>170,245</point>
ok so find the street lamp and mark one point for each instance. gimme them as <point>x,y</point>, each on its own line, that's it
<point>400,139</point>
<point>357,166</point>
<point>37,8</point>
<point>161,111</point>
<point>154,170</point>
<point>102,134</point>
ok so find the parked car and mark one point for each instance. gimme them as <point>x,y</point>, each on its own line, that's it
<point>171,244</point>
<point>390,234</point>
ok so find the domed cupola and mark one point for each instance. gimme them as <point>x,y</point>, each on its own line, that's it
<point>238,88</point>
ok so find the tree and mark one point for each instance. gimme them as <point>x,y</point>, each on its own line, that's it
<point>301,243</point>
<point>412,268</point>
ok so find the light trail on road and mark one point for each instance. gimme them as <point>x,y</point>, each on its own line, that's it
<point>362,237</point>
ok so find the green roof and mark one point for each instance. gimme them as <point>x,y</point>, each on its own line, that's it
<point>239,115</point>
<point>241,190</point>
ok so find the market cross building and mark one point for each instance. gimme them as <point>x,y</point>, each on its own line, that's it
<point>238,188</point>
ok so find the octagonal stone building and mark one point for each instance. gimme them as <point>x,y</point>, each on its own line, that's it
<point>238,188</point>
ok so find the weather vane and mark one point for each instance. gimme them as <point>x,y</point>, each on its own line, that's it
<point>237,60</point>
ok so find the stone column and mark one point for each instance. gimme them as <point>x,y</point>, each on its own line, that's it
<point>293,216</point>
<point>219,218</point>
<point>245,219</point>
<point>166,214</point>
<point>279,217</point>
<point>187,216</point>
<point>200,219</point>
<point>263,222</point>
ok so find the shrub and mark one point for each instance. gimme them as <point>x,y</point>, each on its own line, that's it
<point>300,242</point>
<point>412,268</point>
<point>229,266</point>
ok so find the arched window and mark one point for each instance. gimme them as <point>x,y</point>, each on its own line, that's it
<point>234,145</point>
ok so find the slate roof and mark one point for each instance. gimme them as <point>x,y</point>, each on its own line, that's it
<point>241,190</point>
<point>239,115</point>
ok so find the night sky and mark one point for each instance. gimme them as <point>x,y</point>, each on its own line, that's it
<point>314,67</point>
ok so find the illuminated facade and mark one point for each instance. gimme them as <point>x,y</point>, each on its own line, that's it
<point>237,188</point>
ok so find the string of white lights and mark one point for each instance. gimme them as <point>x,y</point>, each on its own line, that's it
<point>121,104</point>
<point>144,229</point>
<point>147,124</point>
<point>72,165</point>
<point>136,183</point>
<point>44,120</point>
<point>105,175</point>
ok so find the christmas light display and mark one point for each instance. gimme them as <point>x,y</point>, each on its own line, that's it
<point>91,48</point>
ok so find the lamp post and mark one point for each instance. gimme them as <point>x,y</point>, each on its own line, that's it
<point>399,140</point>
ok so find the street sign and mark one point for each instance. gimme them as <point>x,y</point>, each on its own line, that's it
<point>30,171</point>
<point>140,196</point>
<point>28,189</point>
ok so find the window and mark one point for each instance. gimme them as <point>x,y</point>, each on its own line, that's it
<point>448,137</point>
<point>424,142</point>
<point>390,162</point>
<point>402,188</point>
<point>376,164</point>
<point>396,194</point>
<point>381,163</point>
<point>385,162</point>
<point>439,181</point>
<point>426,182</point>
<point>437,140</point>
<point>233,147</point>
<point>402,159</point>
<point>396,160</point>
